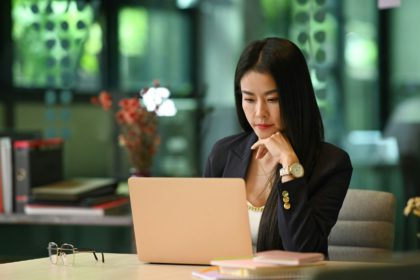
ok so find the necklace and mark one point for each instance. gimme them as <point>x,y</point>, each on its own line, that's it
<point>268,184</point>
<point>255,208</point>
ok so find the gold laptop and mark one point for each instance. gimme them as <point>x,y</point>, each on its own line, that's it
<point>189,220</point>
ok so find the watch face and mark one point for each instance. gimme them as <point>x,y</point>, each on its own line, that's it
<point>297,170</point>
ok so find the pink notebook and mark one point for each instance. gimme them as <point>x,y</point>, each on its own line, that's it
<point>287,258</point>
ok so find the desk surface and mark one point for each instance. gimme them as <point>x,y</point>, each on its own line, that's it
<point>116,266</point>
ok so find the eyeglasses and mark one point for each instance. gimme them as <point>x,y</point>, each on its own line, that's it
<point>66,253</point>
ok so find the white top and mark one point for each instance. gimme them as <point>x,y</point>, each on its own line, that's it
<point>254,214</point>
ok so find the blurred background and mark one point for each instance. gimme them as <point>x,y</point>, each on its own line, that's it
<point>55,55</point>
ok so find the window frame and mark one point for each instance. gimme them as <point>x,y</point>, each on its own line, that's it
<point>109,62</point>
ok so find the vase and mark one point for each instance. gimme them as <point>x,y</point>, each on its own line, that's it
<point>135,172</point>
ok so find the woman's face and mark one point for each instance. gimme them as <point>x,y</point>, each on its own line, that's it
<point>260,102</point>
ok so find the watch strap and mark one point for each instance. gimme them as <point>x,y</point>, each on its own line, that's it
<point>284,171</point>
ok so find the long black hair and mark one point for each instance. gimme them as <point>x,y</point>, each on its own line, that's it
<point>299,110</point>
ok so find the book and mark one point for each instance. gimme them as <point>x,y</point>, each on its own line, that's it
<point>36,162</point>
<point>75,189</point>
<point>116,207</point>
<point>287,258</point>
<point>7,138</point>
<point>268,263</point>
<point>214,273</point>
<point>251,268</point>
<point>6,174</point>
<point>86,201</point>
<point>1,187</point>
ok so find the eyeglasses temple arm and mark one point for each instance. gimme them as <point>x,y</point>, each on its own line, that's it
<point>93,251</point>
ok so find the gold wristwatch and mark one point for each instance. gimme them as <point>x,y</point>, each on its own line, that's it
<point>296,170</point>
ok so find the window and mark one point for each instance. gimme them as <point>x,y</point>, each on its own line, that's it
<point>155,44</point>
<point>66,39</point>
<point>69,50</point>
<point>57,44</point>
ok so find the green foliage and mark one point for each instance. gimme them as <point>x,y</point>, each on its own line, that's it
<point>133,31</point>
<point>272,8</point>
<point>49,42</point>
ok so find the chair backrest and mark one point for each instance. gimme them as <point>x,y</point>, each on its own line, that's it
<point>369,272</point>
<point>365,227</point>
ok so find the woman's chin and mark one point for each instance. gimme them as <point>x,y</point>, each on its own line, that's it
<point>263,134</point>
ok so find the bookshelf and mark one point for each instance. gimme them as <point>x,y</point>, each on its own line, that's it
<point>124,221</point>
<point>24,236</point>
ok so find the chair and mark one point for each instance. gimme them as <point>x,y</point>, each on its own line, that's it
<point>365,227</point>
<point>369,272</point>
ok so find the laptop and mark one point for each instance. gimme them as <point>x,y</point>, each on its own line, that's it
<point>189,220</point>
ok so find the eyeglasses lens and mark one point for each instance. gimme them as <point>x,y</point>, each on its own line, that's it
<point>53,252</point>
<point>67,254</point>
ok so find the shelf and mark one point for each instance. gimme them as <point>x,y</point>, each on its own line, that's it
<point>66,220</point>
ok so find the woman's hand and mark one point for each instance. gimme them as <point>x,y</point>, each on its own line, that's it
<point>279,148</point>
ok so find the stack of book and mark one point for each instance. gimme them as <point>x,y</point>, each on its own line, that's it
<point>36,162</point>
<point>32,181</point>
<point>264,265</point>
<point>78,196</point>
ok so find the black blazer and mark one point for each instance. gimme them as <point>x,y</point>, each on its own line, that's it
<point>315,199</point>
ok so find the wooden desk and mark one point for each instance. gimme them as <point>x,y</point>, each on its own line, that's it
<point>116,266</point>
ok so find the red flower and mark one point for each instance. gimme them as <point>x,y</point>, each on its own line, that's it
<point>138,129</point>
<point>104,99</point>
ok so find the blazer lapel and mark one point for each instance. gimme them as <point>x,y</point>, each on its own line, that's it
<point>239,158</point>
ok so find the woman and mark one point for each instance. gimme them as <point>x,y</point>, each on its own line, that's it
<point>295,182</point>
